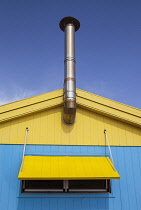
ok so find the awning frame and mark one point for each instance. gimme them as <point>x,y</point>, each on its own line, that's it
<point>24,155</point>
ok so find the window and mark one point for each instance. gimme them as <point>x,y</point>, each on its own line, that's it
<point>66,186</point>
<point>43,186</point>
<point>89,185</point>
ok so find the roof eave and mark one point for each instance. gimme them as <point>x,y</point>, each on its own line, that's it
<point>84,99</point>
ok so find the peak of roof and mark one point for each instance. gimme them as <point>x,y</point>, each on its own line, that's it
<point>84,99</point>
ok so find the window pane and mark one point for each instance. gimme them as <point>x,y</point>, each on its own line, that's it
<point>44,184</point>
<point>87,184</point>
<point>47,186</point>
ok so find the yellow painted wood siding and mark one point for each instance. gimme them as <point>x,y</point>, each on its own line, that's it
<point>120,114</point>
<point>46,128</point>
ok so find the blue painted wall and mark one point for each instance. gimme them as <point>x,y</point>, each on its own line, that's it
<point>126,192</point>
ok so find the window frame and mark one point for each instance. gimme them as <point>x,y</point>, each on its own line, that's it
<point>39,190</point>
<point>65,188</point>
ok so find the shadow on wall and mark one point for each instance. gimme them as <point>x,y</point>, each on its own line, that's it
<point>63,203</point>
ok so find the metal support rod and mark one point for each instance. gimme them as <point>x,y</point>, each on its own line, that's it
<point>108,143</point>
<point>24,149</point>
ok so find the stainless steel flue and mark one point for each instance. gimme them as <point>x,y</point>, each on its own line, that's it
<point>69,25</point>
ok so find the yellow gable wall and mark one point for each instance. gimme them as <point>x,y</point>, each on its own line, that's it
<point>46,127</point>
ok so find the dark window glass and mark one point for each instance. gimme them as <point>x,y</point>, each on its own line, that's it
<point>42,185</point>
<point>87,184</point>
<point>47,186</point>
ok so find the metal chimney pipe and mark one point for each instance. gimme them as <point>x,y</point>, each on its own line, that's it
<point>69,25</point>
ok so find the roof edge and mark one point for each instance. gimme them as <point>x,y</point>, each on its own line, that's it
<point>30,101</point>
<point>84,99</point>
<point>109,103</point>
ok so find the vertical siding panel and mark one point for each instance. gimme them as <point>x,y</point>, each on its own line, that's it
<point>36,128</point>
<point>91,136</point>
<point>65,134</point>
<point>99,150</point>
<point>62,203</point>
<point>80,127</point>
<point>29,204</point>
<point>111,204</point>
<point>6,133</point>
<point>58,149</point>
<point>86,123</point>
<point>139,158</point>
<point>21,130</point>
<point>77,150</point>
<point>69,204</point>
<point>139,174</point>
<point>57,126</point>
<point>39,149</point>
<point>130,179</point>
<point>139,171</point>
<point>129,134</point>
<point>2,149</point>
<point>116,187</point>
<point>6,178</point>
<point>17,159</point>
<point>1,130</point>
<point>77,203</point>
<point>115,133</point>
<point>53,203</point>
<point>85,203</point>
<point>46,204</point>
<point>29,124</point>
<point>12,193</point>
<point>101,127</point>
<point>83,150</point>
<point>73,135</point>
<point>136,174</point>
<point>30,149</point>
<point>44,128</point>
<point>108,123</point>
<point>137,136</point>
<point>94,204</point>
<point>50,127</point>
<point>73,130</point>
<point>122,134</point>
<point>21,205</point>
<point>102,203</point>
<point>123,179</point>
<point>68,150</point>
<point>37,204</point>
<point>91,150</point>
<point>14,131</point>
<point>94,129</point>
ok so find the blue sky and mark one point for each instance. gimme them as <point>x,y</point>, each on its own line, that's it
<point>108,48</point>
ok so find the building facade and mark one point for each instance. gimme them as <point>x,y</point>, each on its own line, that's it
<point>48,136</point>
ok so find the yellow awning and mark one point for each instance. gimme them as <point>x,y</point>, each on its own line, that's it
<point>62,167</point>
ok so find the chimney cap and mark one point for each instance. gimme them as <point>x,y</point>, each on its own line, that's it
<point>69,20</point>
